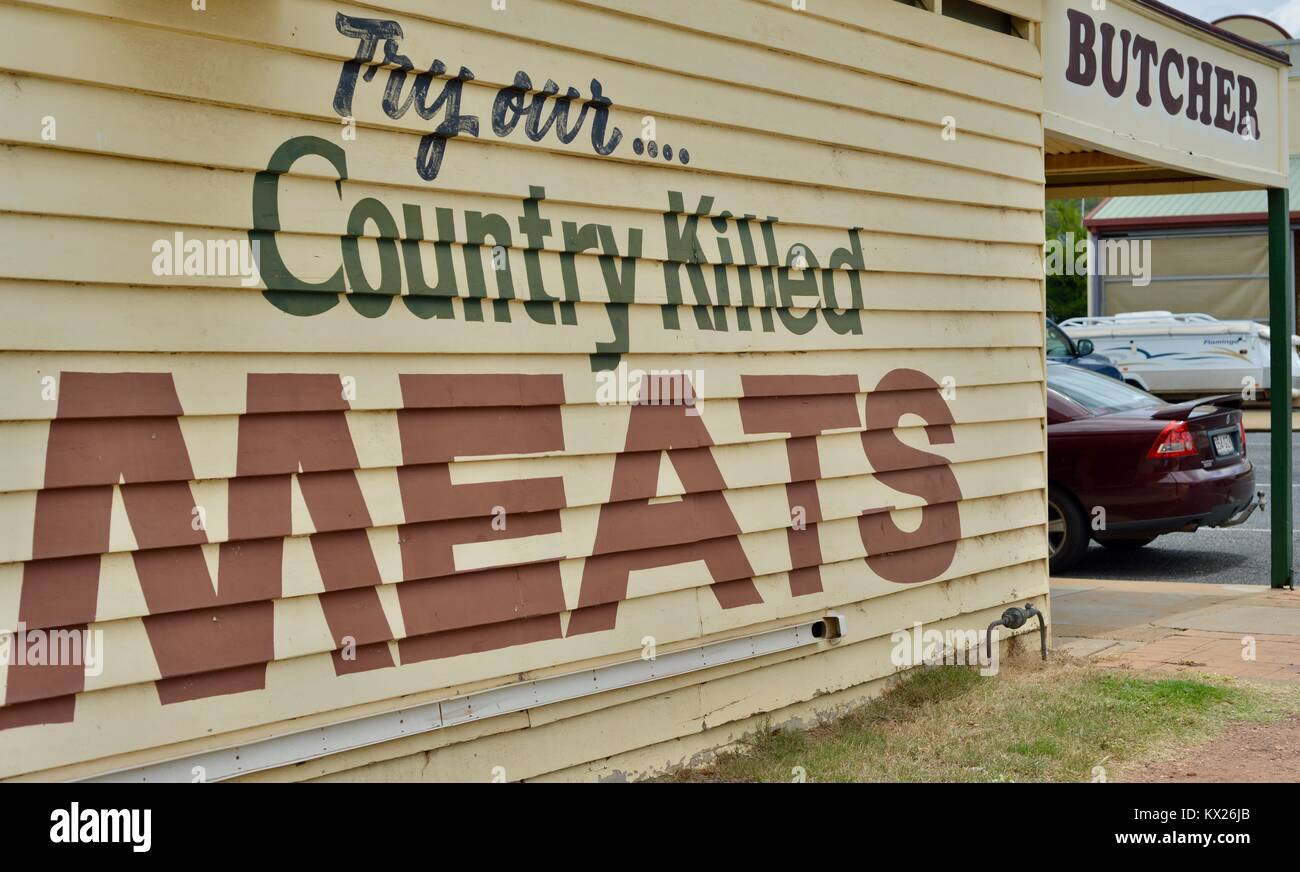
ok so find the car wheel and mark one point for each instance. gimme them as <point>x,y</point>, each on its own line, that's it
<point>1067,532</point>
<point>1126,544</point>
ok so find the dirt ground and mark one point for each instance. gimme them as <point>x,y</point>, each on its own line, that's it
<point>1246,753</point>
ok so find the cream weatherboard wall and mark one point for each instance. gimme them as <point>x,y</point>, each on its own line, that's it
<point>386,467</point>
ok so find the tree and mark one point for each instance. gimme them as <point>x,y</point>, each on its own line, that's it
<point>1067,294</point>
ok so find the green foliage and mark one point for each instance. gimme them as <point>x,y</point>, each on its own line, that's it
<point>1171,693</point>
<point>1067,295</point>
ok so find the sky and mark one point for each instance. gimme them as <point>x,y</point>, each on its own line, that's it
<point>1284,12</point>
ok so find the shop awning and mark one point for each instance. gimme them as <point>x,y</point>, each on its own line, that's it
<point>1141,98</point>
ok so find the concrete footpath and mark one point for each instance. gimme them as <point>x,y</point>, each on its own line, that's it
<point>1247,631</point>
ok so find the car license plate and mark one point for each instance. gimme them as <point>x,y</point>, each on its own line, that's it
<point>1224,445</point>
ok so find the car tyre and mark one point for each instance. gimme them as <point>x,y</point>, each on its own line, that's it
<point>1125,544</point>
<point>1067,531</point>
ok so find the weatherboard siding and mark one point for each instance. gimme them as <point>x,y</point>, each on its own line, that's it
<point>277,502</point>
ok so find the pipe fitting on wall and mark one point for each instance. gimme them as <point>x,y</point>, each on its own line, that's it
<point>1015,618</point>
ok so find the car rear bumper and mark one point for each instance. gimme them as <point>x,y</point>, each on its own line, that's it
<point>1223,516</point>
<point>1185,500</point>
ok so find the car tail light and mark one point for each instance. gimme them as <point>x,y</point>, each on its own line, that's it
<point>1242,424</point>
<point>1174,441</point>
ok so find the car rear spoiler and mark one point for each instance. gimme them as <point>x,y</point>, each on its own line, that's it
<point>1180,411</point>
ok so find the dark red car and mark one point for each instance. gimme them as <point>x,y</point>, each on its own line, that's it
<point>1125,467</point>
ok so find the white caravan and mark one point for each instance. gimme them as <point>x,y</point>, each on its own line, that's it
<point>1190,353</point>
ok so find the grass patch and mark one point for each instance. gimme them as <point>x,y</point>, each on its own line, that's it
<point>1035,721</point>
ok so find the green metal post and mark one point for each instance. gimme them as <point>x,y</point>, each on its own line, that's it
<point>1281,319</point>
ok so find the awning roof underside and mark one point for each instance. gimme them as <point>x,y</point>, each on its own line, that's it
<point>1074,170</point>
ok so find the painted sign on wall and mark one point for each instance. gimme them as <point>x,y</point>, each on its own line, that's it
<point>514,381</point>
<point>1139,84</point>
<point>789,280</point>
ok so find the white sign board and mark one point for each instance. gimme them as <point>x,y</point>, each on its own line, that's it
<point>1134,81</point>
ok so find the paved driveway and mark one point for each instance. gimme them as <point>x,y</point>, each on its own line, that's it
<point>1249,632</point>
